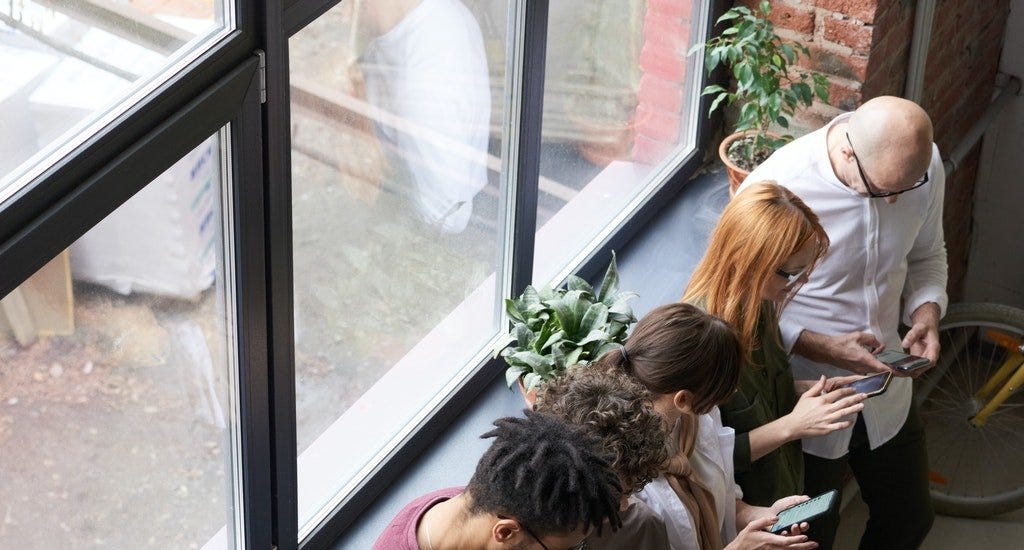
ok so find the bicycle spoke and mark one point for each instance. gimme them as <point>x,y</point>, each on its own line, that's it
<point>982,465</point>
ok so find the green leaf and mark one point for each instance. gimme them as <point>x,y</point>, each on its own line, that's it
<point>558,356</point>
<point>716,102</point>
<point>532,380</point>
<point>783,121</point>
<point>610,282</point>
<point>512,374</point>
<point>731,14</point>
<point>523,335</point>
<point>595,318</point>
<point>513,311</point>
<point>595,335</point>
<point>573,357</point>
<point>577,283</point>
<point>569,311</point>
<point>606,348</point>
<point>502,344</point>
<point>714,88</point>
<point>555,338</point>
<point>766,7</point>
<point>787,50</point>
<point>746,76</point>
<point>533,361</point>
<point>730,31</point>
<point>620,304</point>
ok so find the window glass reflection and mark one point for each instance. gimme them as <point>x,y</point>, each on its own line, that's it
<point>117,378</point>
<point>397,117</point>
<point>69,64</point>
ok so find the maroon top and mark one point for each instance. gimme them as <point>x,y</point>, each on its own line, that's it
<point>400,534</point>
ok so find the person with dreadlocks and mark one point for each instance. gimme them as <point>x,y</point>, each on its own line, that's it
<point>620,412</point>
<point>542,485</point>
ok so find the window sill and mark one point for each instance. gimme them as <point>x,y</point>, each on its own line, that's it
<point>656,263</point>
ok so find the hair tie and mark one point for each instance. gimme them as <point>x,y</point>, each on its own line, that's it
<point>625,357</point>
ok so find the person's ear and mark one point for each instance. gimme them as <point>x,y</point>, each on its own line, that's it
<point>683,401</point>
<point>505,530</point>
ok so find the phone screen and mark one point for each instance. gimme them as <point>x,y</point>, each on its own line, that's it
<point>901,361</point>
<point>804,511</point>
<point>871,384</point>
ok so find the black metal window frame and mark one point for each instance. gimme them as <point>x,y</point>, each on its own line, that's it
<point>244,80</point>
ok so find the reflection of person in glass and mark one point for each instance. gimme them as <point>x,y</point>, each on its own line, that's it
<point>425,63</point>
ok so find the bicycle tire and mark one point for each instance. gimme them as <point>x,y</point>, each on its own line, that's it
<point>945,397</point>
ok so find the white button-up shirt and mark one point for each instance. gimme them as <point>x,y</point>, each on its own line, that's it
<point>712,460</point>
<point>880,254</point>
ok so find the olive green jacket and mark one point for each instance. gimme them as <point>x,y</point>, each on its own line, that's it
<point>765,393</point>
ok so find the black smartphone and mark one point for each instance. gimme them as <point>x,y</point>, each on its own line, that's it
<point>900,361</point>
<point>806,511</point>
<point>873,385</point>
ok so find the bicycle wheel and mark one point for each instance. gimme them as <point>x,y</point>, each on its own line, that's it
<point>974,471</point>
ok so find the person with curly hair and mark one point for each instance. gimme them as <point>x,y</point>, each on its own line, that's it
<point>620,412</point>
<point>543,483</point>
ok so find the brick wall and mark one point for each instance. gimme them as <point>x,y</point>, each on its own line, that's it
<point>663,62</point>
<point>863,46</point>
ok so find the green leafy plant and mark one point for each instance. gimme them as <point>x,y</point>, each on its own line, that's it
<point>768,90</point>
<point>553,329</point>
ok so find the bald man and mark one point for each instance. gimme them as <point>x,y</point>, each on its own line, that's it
<point>875,179</point>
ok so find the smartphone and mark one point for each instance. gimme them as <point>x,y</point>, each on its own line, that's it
<point>806,511</point>
<point>901,361</point>
<point>873,385</point>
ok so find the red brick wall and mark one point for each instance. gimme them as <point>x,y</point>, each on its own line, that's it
<point>659,112</point>
<point>863,46</point>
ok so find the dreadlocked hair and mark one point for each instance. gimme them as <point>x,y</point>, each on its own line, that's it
<point>617,409</point>
<point>547,474</point>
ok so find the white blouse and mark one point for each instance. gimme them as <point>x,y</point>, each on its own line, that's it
<point>712,459</point>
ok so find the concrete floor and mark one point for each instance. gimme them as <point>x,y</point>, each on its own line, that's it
<point>948,533</point>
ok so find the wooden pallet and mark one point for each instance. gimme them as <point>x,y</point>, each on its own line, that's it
<point>41,306</point>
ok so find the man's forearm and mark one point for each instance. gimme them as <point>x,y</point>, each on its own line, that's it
<point>814,346</point>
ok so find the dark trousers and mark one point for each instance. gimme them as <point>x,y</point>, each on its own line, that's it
<point>893,481</point>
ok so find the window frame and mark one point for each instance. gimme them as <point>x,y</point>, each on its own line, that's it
<point>224,85</point>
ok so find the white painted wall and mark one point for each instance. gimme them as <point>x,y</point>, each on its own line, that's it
<point>995,270</point>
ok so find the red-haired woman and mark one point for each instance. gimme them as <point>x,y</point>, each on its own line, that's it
<point>766,243</point>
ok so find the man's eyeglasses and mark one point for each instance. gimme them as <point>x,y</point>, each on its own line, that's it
<point>867,184</point>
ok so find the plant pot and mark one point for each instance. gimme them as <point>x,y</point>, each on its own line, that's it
<point>736,174</point>
<point>530,397</point>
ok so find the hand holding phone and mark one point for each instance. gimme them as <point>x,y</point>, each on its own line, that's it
<point>872,385</point>
<point>902,362</point>
<point>805,511</point>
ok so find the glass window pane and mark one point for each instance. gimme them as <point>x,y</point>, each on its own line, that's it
<point>619,110</point>
<point>72,66</point>
<point>398,209</point>
<point>117,390</point>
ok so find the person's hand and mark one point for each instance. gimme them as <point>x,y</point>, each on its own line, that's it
<point>819,413</point>
<point>756,537</point>
<point>835,382</point>
<point>923,337</point>
<point>855,352</point>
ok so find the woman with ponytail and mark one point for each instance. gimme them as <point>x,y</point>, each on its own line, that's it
<point>690,361</point>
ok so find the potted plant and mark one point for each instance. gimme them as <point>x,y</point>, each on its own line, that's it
<point>553,329</point>
<point>768,90</point>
